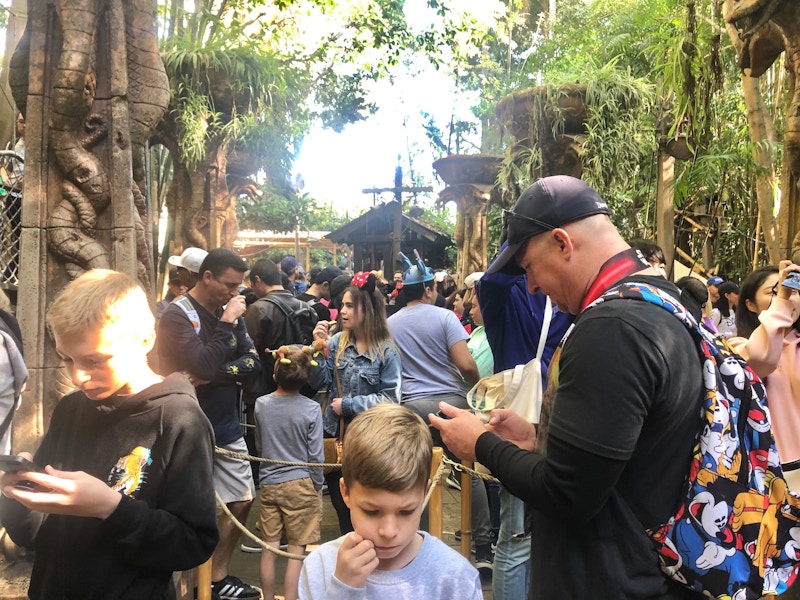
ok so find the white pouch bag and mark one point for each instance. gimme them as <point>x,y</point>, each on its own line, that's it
<point>518,389</point>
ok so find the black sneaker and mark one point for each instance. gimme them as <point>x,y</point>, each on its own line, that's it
<point>484,559</point>
<point>233,588</point>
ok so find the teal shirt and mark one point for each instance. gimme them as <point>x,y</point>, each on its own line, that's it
<point>480,350</point>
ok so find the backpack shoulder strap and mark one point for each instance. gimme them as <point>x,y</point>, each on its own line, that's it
<point>633,290</point>
<point>277,302</point>
<point>191,312</point>
<point>286,309</point>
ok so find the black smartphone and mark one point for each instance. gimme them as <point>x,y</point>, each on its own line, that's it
<point>792,281</point>
<point>11,463</point>
<point>441,415</point>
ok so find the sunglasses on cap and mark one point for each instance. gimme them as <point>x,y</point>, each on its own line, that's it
<point>508,215</point>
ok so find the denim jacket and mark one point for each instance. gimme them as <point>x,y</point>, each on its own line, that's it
<point>365,381</point>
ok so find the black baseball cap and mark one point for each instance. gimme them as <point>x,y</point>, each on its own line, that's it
<point>339,285</point>
<point>550,203</point>
<point>327,274</point>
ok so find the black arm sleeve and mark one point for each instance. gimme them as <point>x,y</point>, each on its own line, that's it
<point>570,484</point>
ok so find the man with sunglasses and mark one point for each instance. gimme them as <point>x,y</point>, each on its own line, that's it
<point>620,413</point>
<point>203,334</point>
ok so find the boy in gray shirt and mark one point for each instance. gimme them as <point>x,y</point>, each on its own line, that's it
<point>289,427</point>
<point>386,466</point>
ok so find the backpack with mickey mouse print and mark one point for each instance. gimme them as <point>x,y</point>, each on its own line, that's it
<point>736,532</point>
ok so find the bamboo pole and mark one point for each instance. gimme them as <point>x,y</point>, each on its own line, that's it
<point>435,503</point>
<point>466,510</point>
<point>204,581</point>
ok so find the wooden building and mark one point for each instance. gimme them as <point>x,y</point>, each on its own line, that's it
<point>378,234</point>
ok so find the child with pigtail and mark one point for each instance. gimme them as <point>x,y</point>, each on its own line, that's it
<point>289,427</point>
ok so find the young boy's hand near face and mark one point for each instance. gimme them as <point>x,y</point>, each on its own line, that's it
<point>355,560</point>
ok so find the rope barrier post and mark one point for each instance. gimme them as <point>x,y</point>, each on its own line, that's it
<point>435,510</point>
<point>204,581</point>
<point>466,510</point>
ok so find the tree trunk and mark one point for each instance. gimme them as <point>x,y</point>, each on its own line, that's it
<point>760,123</point>
<point>762,130</point>
<point>665,208</point>
<point>764,30</point>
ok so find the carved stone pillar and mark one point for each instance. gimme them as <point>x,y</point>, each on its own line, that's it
<point>469,179</point>
<point>89,79</point>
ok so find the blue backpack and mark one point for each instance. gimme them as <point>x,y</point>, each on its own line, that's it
<point>736,531</point>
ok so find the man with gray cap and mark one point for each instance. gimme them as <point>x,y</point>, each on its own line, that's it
<point>620,420</point>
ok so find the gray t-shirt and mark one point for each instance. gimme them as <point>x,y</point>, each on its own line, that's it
<point>289,428</point>
<point>437,572</point>
<point>424,334</point>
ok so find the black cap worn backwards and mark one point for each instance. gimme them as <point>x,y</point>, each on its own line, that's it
<point>548,204</point>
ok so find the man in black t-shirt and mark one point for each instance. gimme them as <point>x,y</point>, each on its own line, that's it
<point>620,415</point>
<point>320,289</point>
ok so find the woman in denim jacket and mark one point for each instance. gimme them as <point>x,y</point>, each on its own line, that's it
<point>362,369</point>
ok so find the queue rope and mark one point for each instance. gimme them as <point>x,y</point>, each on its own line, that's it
<point>252,536</point>
<point>472,472</point>
<point>241,456</point>
<point>435,480</point>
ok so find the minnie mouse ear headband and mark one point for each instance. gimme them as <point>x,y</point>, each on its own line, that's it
<point>364,280</point>
<point>415,273</point>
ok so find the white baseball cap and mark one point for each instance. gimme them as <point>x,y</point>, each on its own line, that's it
<point>472,279</point>
<point>190,259</point>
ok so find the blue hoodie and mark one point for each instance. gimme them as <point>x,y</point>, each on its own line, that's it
<point>512,317</point>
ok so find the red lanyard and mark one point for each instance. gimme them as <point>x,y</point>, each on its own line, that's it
<point>617,267</point>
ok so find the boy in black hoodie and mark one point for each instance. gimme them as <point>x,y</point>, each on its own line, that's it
<point>125,497</point>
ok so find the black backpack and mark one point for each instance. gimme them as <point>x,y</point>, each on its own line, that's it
<point>298,328</point>
<point>299,320</point>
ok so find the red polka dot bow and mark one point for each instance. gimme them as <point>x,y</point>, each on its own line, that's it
<point>360,279</point>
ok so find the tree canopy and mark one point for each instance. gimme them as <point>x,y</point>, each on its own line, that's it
<point>251,77</point>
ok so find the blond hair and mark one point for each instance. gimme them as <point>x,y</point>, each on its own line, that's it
<point>100,298</point>
<point>387,447</point>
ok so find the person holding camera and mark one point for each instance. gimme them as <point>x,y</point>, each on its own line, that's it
<point>768,323</point>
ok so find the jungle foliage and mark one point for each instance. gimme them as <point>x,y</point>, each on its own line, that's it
<point>656,70</point>
<point>249,76</point>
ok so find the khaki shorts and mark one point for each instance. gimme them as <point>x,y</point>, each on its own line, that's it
<point>232,477</point>
<point>292,506</point>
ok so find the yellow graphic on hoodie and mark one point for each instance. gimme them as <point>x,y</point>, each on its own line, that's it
<point>129,473</point>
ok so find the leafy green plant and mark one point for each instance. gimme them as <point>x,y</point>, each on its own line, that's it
<point>616,137</point>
